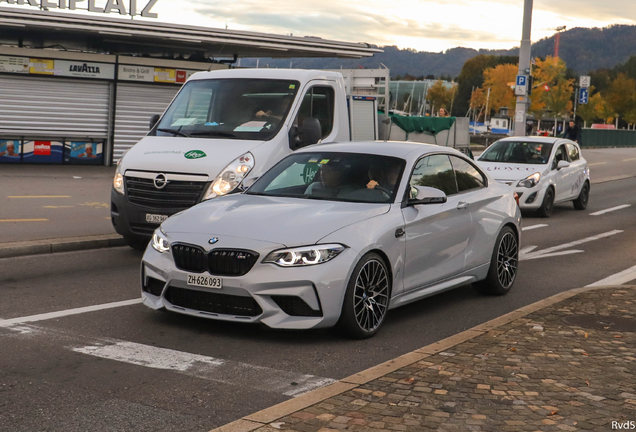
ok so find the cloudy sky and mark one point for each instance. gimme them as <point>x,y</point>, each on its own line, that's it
<point>430,25</point>
<point>425,25</point>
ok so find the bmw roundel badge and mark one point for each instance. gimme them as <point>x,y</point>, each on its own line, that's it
<point>213,240</point>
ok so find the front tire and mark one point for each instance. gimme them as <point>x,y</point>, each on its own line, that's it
<point>503,265</point>
<point>548,204</point>
<point>580,203</point>
<point>366,299</point>
<point>137,243</point>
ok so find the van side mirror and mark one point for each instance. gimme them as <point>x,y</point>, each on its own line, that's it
<point>426,195</point>
<point>153,120</point>
<point>248,182</point>
<point>307,134</point>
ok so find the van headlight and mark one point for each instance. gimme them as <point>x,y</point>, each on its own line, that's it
<point>118,180</point>
<point>304,256</point>
<point>531,181</point>
<point>231,176</point>
<point>159,242</point>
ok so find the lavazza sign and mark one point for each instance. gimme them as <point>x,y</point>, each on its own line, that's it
<point>119,6</point>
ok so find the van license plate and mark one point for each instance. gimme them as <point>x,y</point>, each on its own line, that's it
<point>205,281</point>
<point>155,218</point>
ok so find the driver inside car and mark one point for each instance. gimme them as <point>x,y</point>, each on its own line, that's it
<point>384,178</point>
<point>331,181</point>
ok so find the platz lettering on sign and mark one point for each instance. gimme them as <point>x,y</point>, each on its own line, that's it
<point>118,6</point>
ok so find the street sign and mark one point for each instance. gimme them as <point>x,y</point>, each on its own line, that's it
<point>584,94</point>
<point>521,89</point>
<point>585,81</point>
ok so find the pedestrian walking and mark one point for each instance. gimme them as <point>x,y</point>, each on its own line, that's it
<point>573,132</point>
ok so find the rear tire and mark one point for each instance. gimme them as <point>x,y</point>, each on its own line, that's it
<point>548,204</point>
<point>137,243</point>
<point>366,300</point>
<point>503,265</point>
<point>580,203</point>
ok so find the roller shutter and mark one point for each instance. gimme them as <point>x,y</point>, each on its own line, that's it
<point>363,120</point>
<point>136,103</point>
<point>54,107</point>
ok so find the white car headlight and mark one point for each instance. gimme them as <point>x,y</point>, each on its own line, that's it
<point>531,181</point>
<point>304,256</point>
<point>118,180</point>
<point>231,176</point>
<point>160,243</point>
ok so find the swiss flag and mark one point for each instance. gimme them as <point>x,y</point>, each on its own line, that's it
<point>546,87</point>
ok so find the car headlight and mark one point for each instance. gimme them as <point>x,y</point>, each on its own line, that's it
<point>118,181</point>
<point>304,256</point>
<point>231,176</point>
<point>160,243</point>
<point>531,181</point>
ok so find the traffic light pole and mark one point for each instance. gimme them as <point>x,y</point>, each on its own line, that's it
<point>523,102</point>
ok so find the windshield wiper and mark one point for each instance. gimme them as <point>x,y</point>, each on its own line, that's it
<point>174,132</point>
<point>215,133</point>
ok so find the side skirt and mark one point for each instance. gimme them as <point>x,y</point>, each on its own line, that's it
<point>469,276</point>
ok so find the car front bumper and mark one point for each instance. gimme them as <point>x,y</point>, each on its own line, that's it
<point>279,297</point>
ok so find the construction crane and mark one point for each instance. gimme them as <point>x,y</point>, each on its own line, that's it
<point>557,39</point>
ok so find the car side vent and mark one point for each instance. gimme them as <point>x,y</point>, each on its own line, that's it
<point>295,306</point>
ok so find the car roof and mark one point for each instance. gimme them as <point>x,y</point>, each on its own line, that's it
<point>401,149</point>
<point>537,139</point>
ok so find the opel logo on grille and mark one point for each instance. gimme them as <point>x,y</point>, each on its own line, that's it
<point>213,240</point>
<point>161,181</point>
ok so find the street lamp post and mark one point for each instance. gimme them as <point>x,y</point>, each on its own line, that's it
<point>524,69</point>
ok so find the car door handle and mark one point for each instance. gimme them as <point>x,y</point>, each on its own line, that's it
<point>462,205</point>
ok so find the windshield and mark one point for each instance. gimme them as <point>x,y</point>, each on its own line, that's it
<point>252,109</point>
<point>350,177</point>
<point>518,152</point>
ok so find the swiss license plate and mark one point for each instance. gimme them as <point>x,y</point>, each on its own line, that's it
<point>155,218</point>
<point>205,281</point>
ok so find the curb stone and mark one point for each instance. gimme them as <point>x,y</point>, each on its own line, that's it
<point>268,415</point>
<point>68,244</point>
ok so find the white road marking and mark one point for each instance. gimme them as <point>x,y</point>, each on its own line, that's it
<point>209,368</point>
<point>618,278</point>
<point>610,210</point>
<point>597,163</point>
<point>67,312</point>
<point>525,254</point>
<point>531,227</point>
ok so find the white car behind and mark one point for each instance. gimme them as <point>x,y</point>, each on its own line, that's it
<point>544,171</point>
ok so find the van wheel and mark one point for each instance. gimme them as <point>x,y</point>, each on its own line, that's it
<point>580,203</point>
<point>366,300</point>
<point>137,243</point>
<point>548,204</point>
<point>504,264</point>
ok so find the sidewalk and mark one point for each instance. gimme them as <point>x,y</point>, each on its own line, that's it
<point>565,363</point>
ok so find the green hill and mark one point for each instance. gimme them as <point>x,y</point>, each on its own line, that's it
<point>583,50</point>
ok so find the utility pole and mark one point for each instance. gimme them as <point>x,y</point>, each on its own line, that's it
<point>523,101</point>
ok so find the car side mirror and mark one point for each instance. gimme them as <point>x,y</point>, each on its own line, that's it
<point>563,164</point>
<point>309,133</point>
<point>153,120</point>
<point>426,195</point>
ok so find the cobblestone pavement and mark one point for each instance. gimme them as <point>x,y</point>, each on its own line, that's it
<point>538,373</point>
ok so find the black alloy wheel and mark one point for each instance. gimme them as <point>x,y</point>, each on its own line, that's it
<point>367,298</point>
<point>504,265</point>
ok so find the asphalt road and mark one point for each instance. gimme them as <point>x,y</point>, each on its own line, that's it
<point>42,202</point>
<point>131,368</point>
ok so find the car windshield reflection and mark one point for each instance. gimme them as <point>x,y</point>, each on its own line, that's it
<point>348,177</point>
<point>518,152</point>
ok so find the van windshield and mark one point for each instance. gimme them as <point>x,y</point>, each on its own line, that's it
<point>253,109</point>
